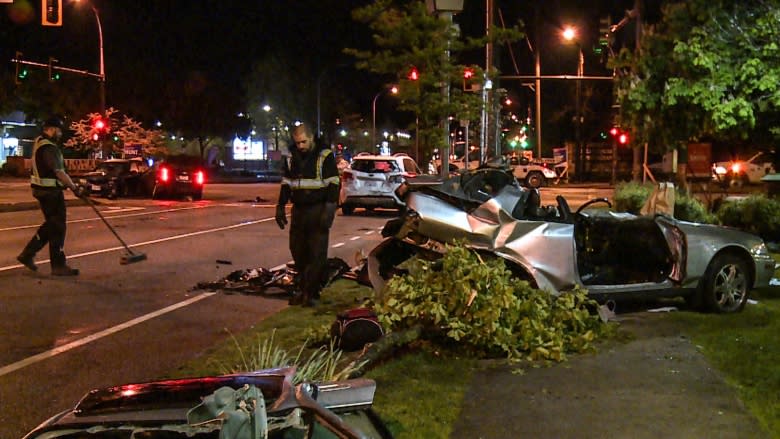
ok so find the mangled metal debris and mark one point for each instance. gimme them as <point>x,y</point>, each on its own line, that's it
<point>283,280</point>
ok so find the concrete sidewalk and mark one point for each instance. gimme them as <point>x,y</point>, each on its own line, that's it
<point>16,195</point>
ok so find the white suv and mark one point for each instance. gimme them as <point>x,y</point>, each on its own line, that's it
<point>370,181</point>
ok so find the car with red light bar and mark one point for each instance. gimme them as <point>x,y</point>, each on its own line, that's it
<point>370,181</point>
<point>179,176</point>
<point>741,172</point>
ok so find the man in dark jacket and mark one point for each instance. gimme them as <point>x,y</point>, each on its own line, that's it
<point>48,180</point>
<point>311,181</point>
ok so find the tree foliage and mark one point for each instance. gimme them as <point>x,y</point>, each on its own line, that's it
<point>708,69</point>
<point>127,131</point>
<point>407,37</point>
<point>476,302</point>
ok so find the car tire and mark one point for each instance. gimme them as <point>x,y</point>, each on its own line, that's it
<point>347,210</point>
<point>534,179</point>
<point>726,285</point>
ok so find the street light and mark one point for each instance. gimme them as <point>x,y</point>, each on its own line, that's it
<point>392,90</point>
<point>102,72</point>
<point>446,9</point>
<point>570,34</point>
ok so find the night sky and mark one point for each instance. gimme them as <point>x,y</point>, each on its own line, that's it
<point>149,42</point>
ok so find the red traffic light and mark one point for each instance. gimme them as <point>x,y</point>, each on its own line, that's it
<point>614,131</point>
<point>99,124</point>
<point>413,74</point>
<point>623,138</point>
<point>468,73</point>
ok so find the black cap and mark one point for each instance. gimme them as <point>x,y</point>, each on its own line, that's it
<point>55,122</point>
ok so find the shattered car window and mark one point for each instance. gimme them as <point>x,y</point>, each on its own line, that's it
<point>375,166</point>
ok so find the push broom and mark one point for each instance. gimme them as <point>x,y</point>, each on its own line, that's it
<point>128,258</point>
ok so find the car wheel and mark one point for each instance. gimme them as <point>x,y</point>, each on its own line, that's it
<point>534,179</point>
<point>726,284</point>
<point>347,210</point>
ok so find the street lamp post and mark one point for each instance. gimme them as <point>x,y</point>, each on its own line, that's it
<point>392,90</point>
<point>446,9</point>
<point>102,72</point>
<point>570,34</point>
<point>102,63</point>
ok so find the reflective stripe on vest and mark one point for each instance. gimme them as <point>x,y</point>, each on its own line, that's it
<point>316,182</point>
<point>35,177</point>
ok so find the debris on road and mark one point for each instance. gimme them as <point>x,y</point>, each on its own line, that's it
<point>263,281</point>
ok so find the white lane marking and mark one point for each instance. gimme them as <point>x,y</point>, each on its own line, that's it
<point>84,220</point>
<point>98,335</point>
<point>340,244</point>
<point>119,209</point>
<point>370,232</point>
<point>154,241</point>
<point>354,238</point>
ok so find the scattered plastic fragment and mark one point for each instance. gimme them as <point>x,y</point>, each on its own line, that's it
<point>663,309</point>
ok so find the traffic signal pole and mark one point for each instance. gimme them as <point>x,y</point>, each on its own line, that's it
<point>54,68</point>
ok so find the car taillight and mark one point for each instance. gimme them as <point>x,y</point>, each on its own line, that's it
<point>735,168</point>
<point>200,177</point>
<point>165,174</point>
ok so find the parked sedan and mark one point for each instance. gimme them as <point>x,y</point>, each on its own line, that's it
<point>178,176</point>
<point>611,254</point>
<point>262,404</point>
<point>115,178</point>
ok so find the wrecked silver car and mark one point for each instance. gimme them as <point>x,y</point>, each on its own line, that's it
<point>612,255</point>
<point>253,405</point>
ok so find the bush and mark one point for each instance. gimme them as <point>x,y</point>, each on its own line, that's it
<point>630,197</point>
<point>688,208</point>
<point>474,301</point>
<point>755,214</point>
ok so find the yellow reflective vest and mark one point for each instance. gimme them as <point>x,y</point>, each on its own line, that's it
<point>46,179</point>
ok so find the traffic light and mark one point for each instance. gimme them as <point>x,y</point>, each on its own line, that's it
<point>100,129</point>
<point>21,73</point>
<point>51,12</point>
<point>605,31</point>
<point>413,74</point>
<point>620,136</point>
<point>53,75</point>
<point>469,78</point>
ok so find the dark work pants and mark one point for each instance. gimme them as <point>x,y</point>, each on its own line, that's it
<point>52,231</point>
<point>309,246</point>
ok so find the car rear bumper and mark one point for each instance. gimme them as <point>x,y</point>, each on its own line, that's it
<point>372,201</point>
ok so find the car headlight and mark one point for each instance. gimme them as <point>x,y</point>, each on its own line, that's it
<point>720,170</point>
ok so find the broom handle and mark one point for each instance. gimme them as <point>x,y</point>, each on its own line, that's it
<point>92,205</point>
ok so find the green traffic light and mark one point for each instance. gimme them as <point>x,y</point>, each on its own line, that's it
<point>23,73</point>
<point>55,77</point>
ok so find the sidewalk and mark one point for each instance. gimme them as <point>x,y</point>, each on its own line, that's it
<point>16,195</point>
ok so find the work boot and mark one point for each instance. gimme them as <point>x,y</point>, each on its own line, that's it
<point>64,271</point>
<point>27,261</point>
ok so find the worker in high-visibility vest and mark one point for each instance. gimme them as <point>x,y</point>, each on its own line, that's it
<point>311,181</point>
<point>48,180</point>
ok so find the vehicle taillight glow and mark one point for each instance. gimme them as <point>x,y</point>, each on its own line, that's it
<point>735,168</point>
<point>200,177</point>
<point>165,174</point>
